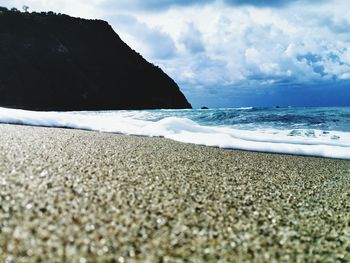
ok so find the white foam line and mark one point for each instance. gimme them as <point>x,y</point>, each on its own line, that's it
<point>187,131</point>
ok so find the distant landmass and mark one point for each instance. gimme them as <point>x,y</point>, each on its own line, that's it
<point>56,62</point>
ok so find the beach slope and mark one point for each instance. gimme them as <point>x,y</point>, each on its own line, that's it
<point>79,196</point>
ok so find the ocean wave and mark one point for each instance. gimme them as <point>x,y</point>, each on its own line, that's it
<point>309,142</point>
<point>239,108</point>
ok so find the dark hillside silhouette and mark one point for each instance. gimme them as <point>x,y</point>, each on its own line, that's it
<point>55,62</point>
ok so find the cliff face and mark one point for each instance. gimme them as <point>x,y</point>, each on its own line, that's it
<point>56,62</point>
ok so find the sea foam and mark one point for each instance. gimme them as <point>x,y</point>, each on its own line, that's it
<point>309,142</point>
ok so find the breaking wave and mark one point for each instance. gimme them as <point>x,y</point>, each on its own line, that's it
<point>219,128</point>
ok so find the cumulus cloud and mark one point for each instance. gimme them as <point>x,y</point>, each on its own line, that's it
<point>192,39</point>
<point>154,43</point>
<point>230,47</point>
<point>259,49</point>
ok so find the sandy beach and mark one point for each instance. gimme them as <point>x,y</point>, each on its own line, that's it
<point>80,196</point>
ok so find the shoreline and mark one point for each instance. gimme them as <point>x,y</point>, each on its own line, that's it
<point>74,195</point>
<point>167,139</point>
<point>302,141</point>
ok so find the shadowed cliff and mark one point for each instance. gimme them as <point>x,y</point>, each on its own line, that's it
<point>56,62</point>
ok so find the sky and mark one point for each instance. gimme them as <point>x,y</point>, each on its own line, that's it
<point>233,53</point>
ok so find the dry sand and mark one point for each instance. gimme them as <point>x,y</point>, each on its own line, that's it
<point>79,196</point>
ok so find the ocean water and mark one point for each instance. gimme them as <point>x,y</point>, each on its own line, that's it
<point>322,132</point>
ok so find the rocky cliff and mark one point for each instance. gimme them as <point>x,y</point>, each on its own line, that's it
<point>55,62</point>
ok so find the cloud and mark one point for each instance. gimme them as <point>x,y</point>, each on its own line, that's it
<point>230,48</point>
<point>270,3</point>
<point>161,5</point>
<point>257,49</point>
<point>154,5</point>
<point>192,39</point>
<point>335,24</point>
<point>155,43</point>
<point>87,8</point>
<point>259,2</point>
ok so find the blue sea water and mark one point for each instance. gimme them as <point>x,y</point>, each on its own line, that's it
<point>253,118</point>
<point>323,132</point>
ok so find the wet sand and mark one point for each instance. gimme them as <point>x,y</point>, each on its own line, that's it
<point>79,196</point>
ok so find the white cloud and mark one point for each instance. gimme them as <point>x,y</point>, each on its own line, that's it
<point>154,43</point>
<point>346,56</point>
<point>252,56</point>
<point>192,39</point>
<point>257,44</point>
<point>345,75</point>
<point>232,46</point>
